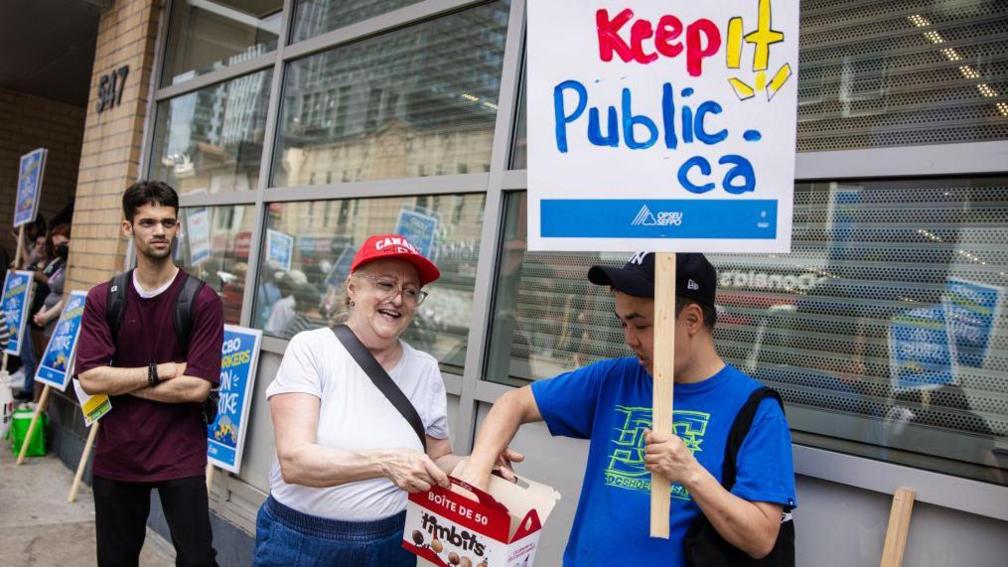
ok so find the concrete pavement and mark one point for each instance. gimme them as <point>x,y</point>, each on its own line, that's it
<point>39,528</point>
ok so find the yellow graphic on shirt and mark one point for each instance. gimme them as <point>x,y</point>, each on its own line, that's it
<point>625,468</point>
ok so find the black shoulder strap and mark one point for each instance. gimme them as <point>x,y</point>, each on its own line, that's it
<point>115,303</point>
<point>381,379</point>
<point>183,316</point>
<point>739,430</point>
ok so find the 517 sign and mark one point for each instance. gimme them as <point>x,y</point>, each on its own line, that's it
<point>110,88</point>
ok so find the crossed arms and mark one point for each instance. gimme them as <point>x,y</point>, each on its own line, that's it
<point>175,387</point>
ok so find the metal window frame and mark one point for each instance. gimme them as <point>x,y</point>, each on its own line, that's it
<point>473,387</point>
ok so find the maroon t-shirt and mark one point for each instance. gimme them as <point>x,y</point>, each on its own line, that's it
<point>140,440</point>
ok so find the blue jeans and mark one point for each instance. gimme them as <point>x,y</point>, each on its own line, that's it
<point>288,538</point>
<point>28,361</point>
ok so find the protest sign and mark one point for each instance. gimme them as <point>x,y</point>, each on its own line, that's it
<point>226,435</point>
<point>922,350</point>
<point>29,187</point>
<point>974,308</point>
<point>279,249</point>
<point>664,126</point>
<point>419,228</point>
<point>54,367</point>
<point>198,235</point>
<point>16,301</point>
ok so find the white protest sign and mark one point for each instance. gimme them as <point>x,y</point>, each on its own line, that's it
<point>665,125</point>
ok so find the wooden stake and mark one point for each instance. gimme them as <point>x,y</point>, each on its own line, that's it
<point>17,264</point>
<point>664,364</point>
<point>209,476</point>
<point>35,419</point>
<point>83,461</point>
<point>899,527</point>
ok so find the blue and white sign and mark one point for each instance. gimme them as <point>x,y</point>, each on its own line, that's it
<point>226,435</point>
<point>29,187</point>
<point>974,309</point>
<point>420,229</point>
<point>198,235</point>
<point>665,125</point>
<point>279,249</point>
<point>922,350</point>
<point>16,300</point>
<point>341,268</point>
<point>54,367</point>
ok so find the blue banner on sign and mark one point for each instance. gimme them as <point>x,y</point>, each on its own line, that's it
<point>54,368</point>
<point>29,186</point>
<point>420,229</point>
<point>16,301</point>
<point>677,218</point>
<point>921,349</point>
<point>973,309</point>
<point>279,249</point>
<point>226,435</point>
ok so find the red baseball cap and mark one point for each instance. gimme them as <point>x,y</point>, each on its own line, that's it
<point>396,246</point>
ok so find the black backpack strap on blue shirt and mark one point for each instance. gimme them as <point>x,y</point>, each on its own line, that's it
<point>381,379</point>
<point>703,545</point>
<point>182,316</point>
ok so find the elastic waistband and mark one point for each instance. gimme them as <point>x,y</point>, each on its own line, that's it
<point>334,529</point>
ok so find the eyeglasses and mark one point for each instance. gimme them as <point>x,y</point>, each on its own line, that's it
<point>388,289</point>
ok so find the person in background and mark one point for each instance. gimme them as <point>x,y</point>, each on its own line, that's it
<point>49,266</point>
<point>345,456</point>
<point>284,311</point>
<point>52,304</point>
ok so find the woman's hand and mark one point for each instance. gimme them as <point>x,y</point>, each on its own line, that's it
<point>412,470</point>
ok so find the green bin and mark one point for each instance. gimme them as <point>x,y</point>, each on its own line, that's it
<point>20,422</point>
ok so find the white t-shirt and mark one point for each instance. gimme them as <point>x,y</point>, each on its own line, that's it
<point>281,315</point>
<point>355,415</point>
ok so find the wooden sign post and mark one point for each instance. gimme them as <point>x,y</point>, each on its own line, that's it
<point>664,365</point>
<point>92,433</point>
<point>209,476</point>
<point>899,528</point>
<point>34,423</point>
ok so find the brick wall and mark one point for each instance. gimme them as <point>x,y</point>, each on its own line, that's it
<point>28,122</point>
<point>110,156</point>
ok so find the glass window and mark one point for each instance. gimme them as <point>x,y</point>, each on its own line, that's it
<point>415,102</point>
<point>311,244</point>
<point>893,73</point>
<point>210,140</point>
<point>213,245</point>
<point>519,146</point>
<point>315,17</point>
<point>206,35</point>
<point>883,329</point>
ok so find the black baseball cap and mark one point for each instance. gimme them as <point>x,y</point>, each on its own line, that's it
<point>696,278</point>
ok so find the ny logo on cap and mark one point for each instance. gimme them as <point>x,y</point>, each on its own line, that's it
<point>637,258</point>
<point>690,284</point>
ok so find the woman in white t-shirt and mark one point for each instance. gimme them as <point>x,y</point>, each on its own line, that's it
<point>345,456</point>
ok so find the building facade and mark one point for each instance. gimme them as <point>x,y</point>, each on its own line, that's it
<point>329,121</point>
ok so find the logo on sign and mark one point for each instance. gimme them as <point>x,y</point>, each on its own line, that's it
<point>664,218</point>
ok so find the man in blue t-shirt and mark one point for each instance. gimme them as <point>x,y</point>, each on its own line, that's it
<point>610,404</point>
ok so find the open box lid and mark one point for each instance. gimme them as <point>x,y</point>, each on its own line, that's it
<point>529,503</point>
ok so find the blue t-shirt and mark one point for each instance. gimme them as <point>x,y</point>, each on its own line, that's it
<point>609,402</point>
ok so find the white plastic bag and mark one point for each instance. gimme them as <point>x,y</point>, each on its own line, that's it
<point>6,404</point>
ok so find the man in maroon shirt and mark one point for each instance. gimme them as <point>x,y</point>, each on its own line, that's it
<point>155,436</point>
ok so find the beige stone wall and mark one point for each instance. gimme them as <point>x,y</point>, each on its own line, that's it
<point>28,122</point>
<point>110,155</point>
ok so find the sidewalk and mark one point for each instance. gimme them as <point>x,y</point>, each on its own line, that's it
<point>39,528</point>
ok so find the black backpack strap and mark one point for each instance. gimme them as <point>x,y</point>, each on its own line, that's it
<point>182,318</point>
<point>381,379</point>
<point>739,430</point>
<point>115,302</point>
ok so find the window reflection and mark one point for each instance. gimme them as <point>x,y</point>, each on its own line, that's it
<point>880,329</point>
<point>213,245</point>
<point>313,243</point>
<point>415,102</point>
<point>207,35</point>
<point>210,140</point>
